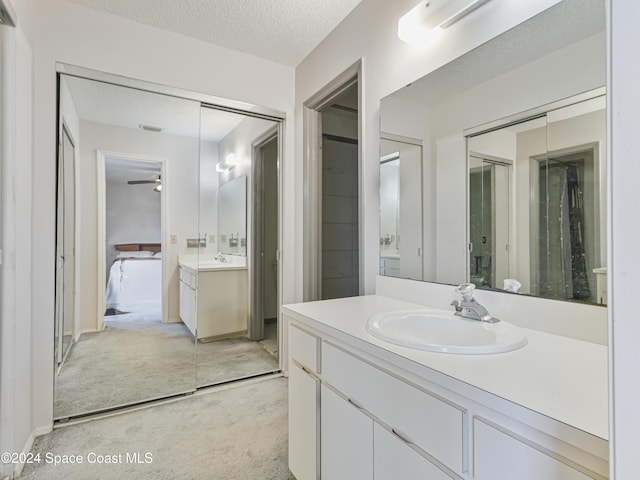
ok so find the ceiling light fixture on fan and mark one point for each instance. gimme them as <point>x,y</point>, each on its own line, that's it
<point>156,181</point>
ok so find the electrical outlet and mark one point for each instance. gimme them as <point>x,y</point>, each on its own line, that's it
<point>174,239</point>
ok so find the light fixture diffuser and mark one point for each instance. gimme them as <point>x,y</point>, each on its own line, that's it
<point>427,18</point>
<point>228,164</point>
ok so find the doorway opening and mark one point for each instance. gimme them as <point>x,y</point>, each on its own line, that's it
<point>489,220</point>
<point>563,202</point>
<point>333,257</point>
<point>263,326</point>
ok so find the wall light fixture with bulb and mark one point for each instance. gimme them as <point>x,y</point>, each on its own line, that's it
<point>420,24</point>
<point>229,163</point>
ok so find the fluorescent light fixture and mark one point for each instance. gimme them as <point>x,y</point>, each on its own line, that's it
<point>425,20</point>
<point>229,163</point>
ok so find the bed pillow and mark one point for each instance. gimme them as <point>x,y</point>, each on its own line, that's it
<point>141,254</point>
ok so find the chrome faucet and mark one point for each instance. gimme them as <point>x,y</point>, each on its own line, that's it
<point>468,307</point>
<point>220,258</point>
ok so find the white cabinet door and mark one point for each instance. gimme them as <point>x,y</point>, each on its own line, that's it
<point>346,439</point>
<point>394,459</point>
<point>501,456</point>
<point>304,391</point>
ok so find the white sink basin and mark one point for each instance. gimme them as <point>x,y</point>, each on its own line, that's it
<point>446,333</point>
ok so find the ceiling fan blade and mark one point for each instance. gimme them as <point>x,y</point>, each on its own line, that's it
<point>140,182</point>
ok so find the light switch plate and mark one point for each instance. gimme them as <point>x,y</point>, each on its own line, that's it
<point>174,239</point>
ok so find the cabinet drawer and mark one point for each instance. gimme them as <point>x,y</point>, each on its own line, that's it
<point>497,454</point>
<point>432,424</point>
<point>305,348</point>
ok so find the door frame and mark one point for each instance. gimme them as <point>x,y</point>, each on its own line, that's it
<point>101,156</point>
<point>60,356</point>
<point>256,291</point>
<point>312,174</point>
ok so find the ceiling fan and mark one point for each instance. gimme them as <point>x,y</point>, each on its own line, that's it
<point>156,181</point>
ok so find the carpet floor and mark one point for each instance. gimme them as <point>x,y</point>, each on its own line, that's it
<point>226,434</point>
<point>138,358</point>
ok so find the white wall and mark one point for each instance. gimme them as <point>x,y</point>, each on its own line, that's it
<point>16,168</point>
<point>61,31</point>
<point>133,215</point>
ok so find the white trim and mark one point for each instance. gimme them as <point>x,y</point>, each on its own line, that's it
<point>37,432</point>
<point>206,100</point>
<point>312,168</point>
<point>8,244</point>
<point>101,155</point>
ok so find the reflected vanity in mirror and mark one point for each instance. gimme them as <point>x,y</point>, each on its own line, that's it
<point>512,138</point>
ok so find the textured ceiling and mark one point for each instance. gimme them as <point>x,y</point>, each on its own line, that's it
<point>126,107</point>
<point>284,31</point>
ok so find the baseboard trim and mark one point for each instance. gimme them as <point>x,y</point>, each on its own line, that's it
<point>18,467</point>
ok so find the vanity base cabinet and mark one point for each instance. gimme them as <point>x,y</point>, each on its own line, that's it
<point>346,439</point>
<point>214,304</point>
<point>357,415</point>
<point>304,405</point>
<point>223,303</point>
<point>304,394</point>
<point>188,300</point>
<point>499,454</point>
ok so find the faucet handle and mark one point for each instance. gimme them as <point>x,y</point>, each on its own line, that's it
<point>465,290</point>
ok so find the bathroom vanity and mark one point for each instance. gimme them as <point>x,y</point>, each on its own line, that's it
<point>362,408</point>
<point>214,298</point>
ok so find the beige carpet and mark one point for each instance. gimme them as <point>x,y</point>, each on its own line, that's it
<point>138,358</point>
<point>238,433</point>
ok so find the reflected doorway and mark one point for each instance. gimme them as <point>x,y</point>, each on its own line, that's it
<point>564,200</point>
<point>489,221</point>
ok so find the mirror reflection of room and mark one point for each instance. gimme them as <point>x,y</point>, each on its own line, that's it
<point>476,206</point>
<point>168,244</point>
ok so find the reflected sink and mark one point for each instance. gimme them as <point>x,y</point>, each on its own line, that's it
<point>446,333</point>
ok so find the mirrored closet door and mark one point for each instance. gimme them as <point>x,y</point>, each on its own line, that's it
<point>237,272</point>
<point>173,208</point>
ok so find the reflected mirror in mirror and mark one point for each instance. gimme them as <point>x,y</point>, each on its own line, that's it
<point>400,214</point>
<point>477,201</point>
<point>132,149</point>
<point>232,216</point>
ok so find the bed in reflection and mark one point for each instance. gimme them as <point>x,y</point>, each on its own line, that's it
<point>135,279</point>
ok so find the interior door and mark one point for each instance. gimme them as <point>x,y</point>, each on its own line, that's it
<point>65,280</point>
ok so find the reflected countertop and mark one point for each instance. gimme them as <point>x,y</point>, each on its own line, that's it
<point>560,377</point>
<point>194,264</point>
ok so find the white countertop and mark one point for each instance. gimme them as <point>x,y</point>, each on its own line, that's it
<point>210,266</point>
<point>560,377</point>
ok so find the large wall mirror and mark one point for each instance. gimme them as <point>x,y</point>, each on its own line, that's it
<point>511,138</point>
<point>156,272</point>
